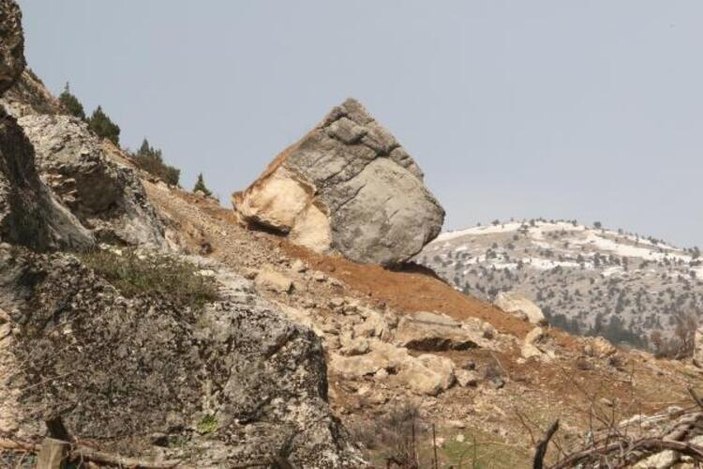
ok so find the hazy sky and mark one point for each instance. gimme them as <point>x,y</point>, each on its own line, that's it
<point>590,110</point>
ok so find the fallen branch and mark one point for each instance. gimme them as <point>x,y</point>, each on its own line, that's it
<point>88,454</point>
<point>648,446</point>
<point>541,450</point>
<point>79,452</point>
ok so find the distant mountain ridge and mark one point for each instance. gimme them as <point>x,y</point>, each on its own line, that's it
<point>588,280</point>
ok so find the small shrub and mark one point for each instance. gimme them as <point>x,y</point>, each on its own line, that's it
<point>200,186</point>
<point>153,275</point>
<point>71,104</point>
<point>207,424</point>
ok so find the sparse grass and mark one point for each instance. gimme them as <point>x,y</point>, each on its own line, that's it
<point>207,424</point>
<point>152,275</point>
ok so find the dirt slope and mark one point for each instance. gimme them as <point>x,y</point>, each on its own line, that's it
<point>496,423</point>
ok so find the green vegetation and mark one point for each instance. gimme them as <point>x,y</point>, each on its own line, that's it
<point>152,275</point>
<point>150,160</point>
<point>200,186</point>
<point>71,104</point>
<point>103,126</point>
<point>207,424</point>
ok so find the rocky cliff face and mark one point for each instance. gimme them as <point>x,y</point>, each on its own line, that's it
<point>29,215</point>
<point>107,198</point>
<point>349,187</point>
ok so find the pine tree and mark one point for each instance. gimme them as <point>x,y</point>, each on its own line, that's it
<point>71,104</point>
<point>103,127</point>
<point>151,160</point>
<point>200,186</point>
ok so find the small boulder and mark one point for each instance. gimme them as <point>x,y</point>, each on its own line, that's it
<point>520,306</point>
<point>427,374</point>
<point>434,332</point>
<point>272,280</point>
<point>598,347</point>
<point>466,378</point>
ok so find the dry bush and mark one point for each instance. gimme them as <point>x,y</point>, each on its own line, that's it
<point>394,434</point>
<point>681,345</point>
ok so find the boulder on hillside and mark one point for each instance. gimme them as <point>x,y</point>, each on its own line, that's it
<point>107,197</point>
<point>520,306</point>
<point>429,332</point>
<point>347,187</point>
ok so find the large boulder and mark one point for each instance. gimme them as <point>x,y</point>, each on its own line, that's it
<point>231,384</point>
<point>106,196</point>
<point>347,187</point>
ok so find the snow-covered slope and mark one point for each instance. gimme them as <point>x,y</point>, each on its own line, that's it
<point>588,280</point>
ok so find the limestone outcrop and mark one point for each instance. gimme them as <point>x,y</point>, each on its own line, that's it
<point>107,197</point>
<point>29,215</point>
<point>347,187</point>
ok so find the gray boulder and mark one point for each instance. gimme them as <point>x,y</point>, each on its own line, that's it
<point>107,197</point>
<point>348,187</point>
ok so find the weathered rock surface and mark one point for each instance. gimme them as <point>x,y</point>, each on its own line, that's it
<point>433,332</point>
<point>28,213</point>
<point>235,383</point>
<point>521,306</point>
<point>12,60</point>
<point>29,95</point>
<point>107,197</point>
<point>348,187</point>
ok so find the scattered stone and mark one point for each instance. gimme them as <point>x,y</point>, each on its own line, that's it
<point>427,374</point>
<point>466,378</point>
<point>298,266</point>
<point>598,347</point>
<point>348,187</point>
<point>460,438</point>
<point>319,277</point>
<point>433,332</point>
<point>520,306</point>
<point>272,280</point>
<point>662,460</point>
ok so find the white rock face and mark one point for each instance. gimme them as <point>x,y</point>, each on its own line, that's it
<point>520,306</point>
<point>347,187</point>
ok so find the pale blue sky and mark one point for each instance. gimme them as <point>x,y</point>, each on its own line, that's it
<point>563,109</point>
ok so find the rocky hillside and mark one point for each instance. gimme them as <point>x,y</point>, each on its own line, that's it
<point>588,280</point>
<point>145,326</point>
